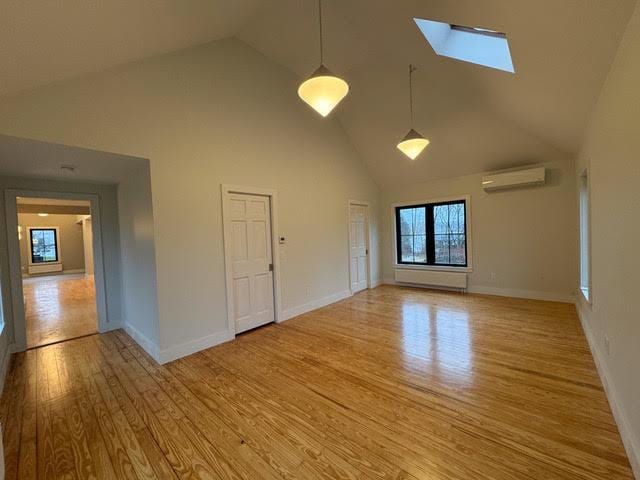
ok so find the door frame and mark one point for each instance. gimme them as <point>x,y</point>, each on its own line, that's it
<point>226,191</point>
<point>15,272</point>
<point>367,205</point>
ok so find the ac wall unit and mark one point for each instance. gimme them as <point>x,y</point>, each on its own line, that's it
<point>514,179</point>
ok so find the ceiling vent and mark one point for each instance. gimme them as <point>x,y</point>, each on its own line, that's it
<point>514,179</point>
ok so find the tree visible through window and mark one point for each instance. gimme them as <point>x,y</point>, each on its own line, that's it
<point>432,234</point>
<point>44,245</point>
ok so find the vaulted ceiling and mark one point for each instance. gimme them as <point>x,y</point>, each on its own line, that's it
<point>476,118</point>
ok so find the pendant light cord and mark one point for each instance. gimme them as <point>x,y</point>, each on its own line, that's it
<point>411,70</point>
<point>320,24</point>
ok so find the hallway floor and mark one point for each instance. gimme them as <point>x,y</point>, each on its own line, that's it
<point>59,307</point>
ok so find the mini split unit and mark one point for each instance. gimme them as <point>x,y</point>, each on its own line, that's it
<point>514,179</point>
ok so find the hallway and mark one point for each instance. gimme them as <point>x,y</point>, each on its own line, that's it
<point>59,307</point>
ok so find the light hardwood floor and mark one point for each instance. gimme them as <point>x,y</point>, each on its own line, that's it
<point>394,383</point>
<point>59,307</point>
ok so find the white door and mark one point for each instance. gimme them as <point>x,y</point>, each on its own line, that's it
<point>359,250</point>
<point>249,227</point>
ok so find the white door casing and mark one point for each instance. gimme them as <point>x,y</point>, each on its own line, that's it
<point>358,247</point>
<point>250,247</point>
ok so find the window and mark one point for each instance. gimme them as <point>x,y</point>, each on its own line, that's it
<point>432,234</point>
<point>585,282</point>
<point>480,46</point>
<point>44,245</point>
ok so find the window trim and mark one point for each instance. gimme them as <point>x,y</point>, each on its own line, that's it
<point>58,245</point>
<point>468,231</point>
<point>586,291</point>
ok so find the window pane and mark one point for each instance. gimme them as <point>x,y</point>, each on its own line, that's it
<point>49,237</point>
<point>441,219</point>
<point>456,218</point>
<point>419,221</point>
<point>37,237</point>
<point>457,254</point>
<point>407,248</point>
<point>406,221</point>
<point>442,248</point>
<point>420,249</point>
<point>49,254</point>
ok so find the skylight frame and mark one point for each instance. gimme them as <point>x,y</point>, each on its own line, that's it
<point>478,31</point>
<point>476,45</point>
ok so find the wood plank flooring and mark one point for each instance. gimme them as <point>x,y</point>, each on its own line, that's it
<point>394,383</point>
<point>59,307</point>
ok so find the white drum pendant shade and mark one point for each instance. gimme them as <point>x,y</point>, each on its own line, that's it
<point>323,91</point>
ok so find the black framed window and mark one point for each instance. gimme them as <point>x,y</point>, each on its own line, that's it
<point>432,234</point>
<point>44,245</point>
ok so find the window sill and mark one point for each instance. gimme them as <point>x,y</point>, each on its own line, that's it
<point>467,269</point>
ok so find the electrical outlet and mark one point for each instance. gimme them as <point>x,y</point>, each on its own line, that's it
<point>308,291</point>
<point>607,345</point>
<point>493,275</point>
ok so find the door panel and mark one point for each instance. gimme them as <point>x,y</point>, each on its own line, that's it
<point>358,225</point>
<point>251,257</point>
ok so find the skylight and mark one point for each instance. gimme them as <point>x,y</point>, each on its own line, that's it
<point>469,44</point>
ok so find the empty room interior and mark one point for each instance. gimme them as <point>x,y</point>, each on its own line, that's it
<point>56,259</point>
<point>304,239</point>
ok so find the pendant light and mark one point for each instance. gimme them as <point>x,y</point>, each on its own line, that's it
<point>323,90</point>
<point>413,143</point>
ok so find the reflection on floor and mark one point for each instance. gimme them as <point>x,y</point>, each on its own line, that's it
<point>59,307</point>
<point>393,383</point>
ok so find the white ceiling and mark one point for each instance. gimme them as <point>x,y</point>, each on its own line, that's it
<point>42,42</point>
<point>23,157</point>
<point>477,119</point>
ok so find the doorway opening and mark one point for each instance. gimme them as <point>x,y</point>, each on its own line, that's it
<point>57,269</point>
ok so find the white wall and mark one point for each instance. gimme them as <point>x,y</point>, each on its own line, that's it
<point>611,152</point>
<point>527,237</point>
<point>221,113</point>
<point>137,250</point>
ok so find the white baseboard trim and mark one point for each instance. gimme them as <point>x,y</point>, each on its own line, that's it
<point>376,283</point>
<point>4,364</point>
<point>392,281</point>
<point>147,344</point>
<point>501,292</point>
<point>314,305</point>
<point>631,444</point>
<point>75,270</point>
<point>182,350</point>
<point>530,294</point>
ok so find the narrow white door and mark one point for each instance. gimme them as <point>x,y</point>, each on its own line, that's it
<point>251,260</point>
<point>358,247</point>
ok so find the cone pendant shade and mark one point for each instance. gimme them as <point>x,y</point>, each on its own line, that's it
<point>413,144</point>
<point>323,91</point>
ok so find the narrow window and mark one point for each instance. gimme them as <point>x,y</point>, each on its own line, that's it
<point>585,274</point>
<point>44,245</point>
<point>432,234</point>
